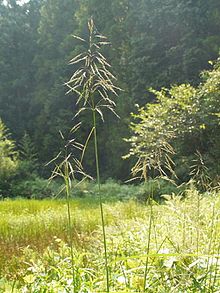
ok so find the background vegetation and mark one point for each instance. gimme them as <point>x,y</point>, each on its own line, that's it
<point>153,44</point>
<point>72,234</point>
<point>183,254</point>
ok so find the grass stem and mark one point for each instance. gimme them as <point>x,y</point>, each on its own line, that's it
<point>100,200</point>
<point>149,235</point>
<point>70,234</point>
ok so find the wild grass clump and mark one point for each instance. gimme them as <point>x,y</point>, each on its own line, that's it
<point>183,253</point>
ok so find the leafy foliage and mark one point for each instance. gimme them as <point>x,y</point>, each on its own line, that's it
<point>180,115</point>
<point>8,158</point>
<point>28,164</point>
<point>153,44</point>
<point>34,187</point>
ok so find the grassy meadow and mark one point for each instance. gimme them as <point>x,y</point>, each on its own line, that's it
<point>173,245</point>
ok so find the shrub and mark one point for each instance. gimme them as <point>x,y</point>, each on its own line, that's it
<point>36,187</point>
<point>155,188</point>
<point>112,190</point>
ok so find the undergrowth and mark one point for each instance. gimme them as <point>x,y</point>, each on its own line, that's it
<point>183,255</point>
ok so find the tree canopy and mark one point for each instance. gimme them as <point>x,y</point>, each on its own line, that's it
<point>154,44</point>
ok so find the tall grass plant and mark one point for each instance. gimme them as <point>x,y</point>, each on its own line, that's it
<point>93,84</point>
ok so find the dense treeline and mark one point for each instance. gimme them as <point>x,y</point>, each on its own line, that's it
<point>153,44</point>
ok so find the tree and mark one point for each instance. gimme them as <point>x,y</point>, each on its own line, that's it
<point>153,44</point>
<point>18,39</point>
<point>52,108</point>
<point>8,159</point>
<point>28,164</point>
<point>185,119</point>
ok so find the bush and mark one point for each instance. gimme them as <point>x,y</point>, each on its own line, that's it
<point>37,188</point>
<point>112,190</point>
<point>155,188</point>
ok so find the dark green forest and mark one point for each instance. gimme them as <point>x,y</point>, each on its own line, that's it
<point>160,52</point>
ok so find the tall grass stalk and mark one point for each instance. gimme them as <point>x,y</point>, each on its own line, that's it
<point>158,161</point>
<point>70,234</point>
<point>100,200</point>
<point>66,170</point>
<point>198,223</point>
<point>213,240</point>
<point>92,82</point>
<point>150,226</point>
<point>148,245</point>
<point>184,225</point>
<point>216,272</point>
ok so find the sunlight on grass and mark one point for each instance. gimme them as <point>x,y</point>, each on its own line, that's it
<point>183,256</point>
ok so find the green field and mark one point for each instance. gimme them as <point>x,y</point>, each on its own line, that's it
<point>175,245</point>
